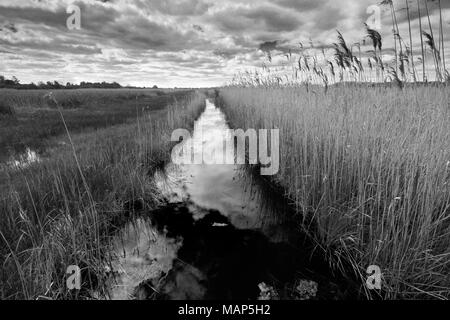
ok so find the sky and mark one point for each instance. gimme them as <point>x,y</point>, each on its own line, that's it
<point>185,43</point>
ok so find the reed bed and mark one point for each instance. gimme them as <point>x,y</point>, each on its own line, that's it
<point>63,210</point>
<point>73,98</point>
<point>369,169</point>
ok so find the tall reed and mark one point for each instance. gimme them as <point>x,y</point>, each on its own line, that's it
<point>370,166</point>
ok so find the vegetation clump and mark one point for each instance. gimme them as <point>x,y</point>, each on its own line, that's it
<point>6,110</point>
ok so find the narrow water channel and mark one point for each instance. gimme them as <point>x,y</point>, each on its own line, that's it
<point>221,235</point>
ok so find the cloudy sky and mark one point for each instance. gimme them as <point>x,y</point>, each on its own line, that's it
<point>183,43</point>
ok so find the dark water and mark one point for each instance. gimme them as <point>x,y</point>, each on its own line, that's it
<point>221,235</point>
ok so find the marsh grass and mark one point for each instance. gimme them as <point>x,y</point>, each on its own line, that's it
<point>63,210</point>
<point>369,168</point>
<point>36,123</point>
<point>6,110</point>
<point>71,98</point>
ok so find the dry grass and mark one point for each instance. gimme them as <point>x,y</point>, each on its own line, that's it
<point>73,98</point>
<point>37,122</point>
<point>6,110</point>
<point>371,167</point>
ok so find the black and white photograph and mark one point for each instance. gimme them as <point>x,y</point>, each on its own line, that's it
<point>238,153</point>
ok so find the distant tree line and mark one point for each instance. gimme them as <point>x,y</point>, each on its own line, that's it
<point>14,83</point>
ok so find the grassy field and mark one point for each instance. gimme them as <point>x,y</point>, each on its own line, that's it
<point>369,167</point>
<point>31,119</point>
<point>63,210</point>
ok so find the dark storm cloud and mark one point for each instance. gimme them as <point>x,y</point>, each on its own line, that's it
<point>128,29</point>
<point>177,7</point>
<point>34,15</point>
<point>267,18</point>
<point>94,16</point>
<point>198,28</point>
<point>125,29</point>
<point>226,53</point>
<point>433,8</point>
<point>144,34</point>
<point>268,46</point>
<point>302,5</point>
<point>8,27</point>
<point>327,18</point>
